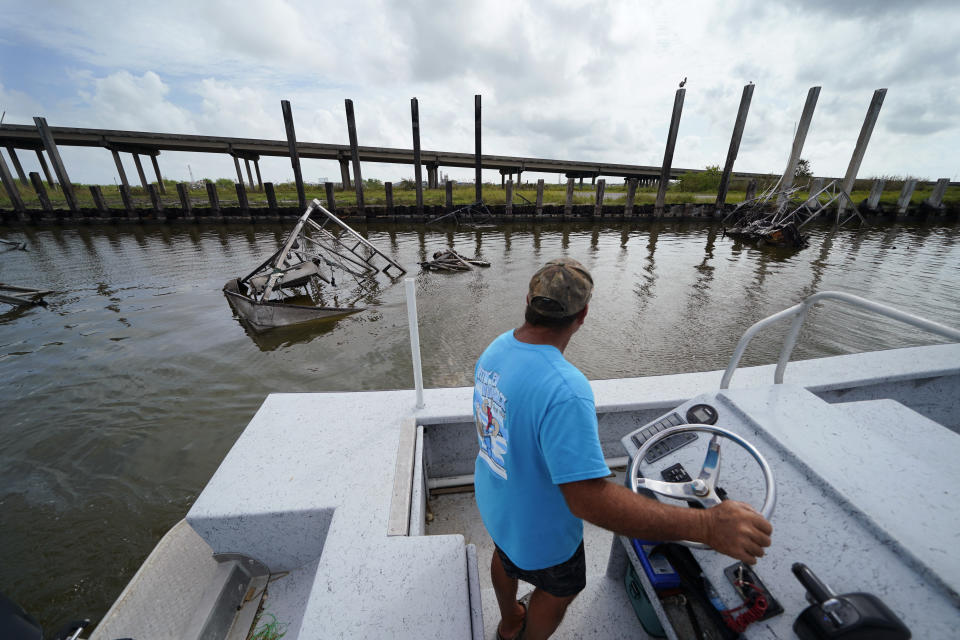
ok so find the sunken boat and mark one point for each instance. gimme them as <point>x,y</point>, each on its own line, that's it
<point>318,248</point>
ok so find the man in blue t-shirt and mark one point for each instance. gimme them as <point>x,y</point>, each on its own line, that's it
<point>540,469</point>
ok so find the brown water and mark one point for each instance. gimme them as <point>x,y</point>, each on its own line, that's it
<point>120,398</point>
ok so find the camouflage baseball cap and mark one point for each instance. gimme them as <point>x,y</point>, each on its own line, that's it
<point>561,288</point>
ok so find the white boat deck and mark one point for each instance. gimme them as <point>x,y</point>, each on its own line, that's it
<point>602,610</point>
<point>307,489</point>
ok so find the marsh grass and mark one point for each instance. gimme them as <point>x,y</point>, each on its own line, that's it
<point>375,194</point>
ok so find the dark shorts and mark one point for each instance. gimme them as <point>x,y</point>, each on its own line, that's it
<point>561,580</point>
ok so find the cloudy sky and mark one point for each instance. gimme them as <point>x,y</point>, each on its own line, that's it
<point>566,80</point>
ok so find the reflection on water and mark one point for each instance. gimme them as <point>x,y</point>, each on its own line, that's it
<point>121,397</point>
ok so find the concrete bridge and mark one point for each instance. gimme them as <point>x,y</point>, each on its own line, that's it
<point>146,143</point>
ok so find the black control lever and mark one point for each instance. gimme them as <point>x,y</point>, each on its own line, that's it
<point>850,616</point>
<point>818,591</point>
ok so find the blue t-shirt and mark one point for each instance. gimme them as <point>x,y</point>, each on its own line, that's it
<point>537,428</point>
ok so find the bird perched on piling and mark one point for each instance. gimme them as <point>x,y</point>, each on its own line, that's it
<point>683,82</point>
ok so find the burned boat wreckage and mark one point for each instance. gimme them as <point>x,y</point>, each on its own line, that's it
<point>285,288</point>
<point>450,260</point>
<point>776,218</point>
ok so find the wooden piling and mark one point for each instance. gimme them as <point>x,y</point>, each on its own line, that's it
<point>751,189</point>
<point>905,194</point>
<point>936,197</point>
<point>119,163</point>
<point>41,192</point>
<point>734,149</point>
<point>568,204</point>
<point>256,167</point>
<point>417,169</point>
<point>668,152</point>
<point>294,158</point>
<point>873,112</point>
<point>214,199</point>
<point>272,198</point>
<point>143,176</point>
<point>539,206</point>
<point>354,154</point>
<point>12,190</point>
<point>156,202</point>
<point>478,180</point>
<point>598,202</point>
<point>156,170</point>
<point>46,170</point>
<point>101,205</point>
<point>388,190</point>
<point>184,192</point>
<point>449,196</point>
<point>876,191</point>
<point>59,169</point>
<point>127,200</point>
<point>246,161</point>
<point>242,199</point>
<point>17,166</point>
<point>508,210</point>
<point>798,139</point>
<point>631,195</point>
<point>331,200</point>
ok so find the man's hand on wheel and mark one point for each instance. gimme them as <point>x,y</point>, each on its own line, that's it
<point>737,530</point>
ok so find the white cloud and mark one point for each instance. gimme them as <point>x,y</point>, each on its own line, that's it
<point>122,100</point>
<point>563,79</point>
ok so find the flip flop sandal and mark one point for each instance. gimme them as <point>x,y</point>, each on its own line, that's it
<point>524,601</point>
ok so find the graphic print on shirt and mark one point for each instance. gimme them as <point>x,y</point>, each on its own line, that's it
<point>489,414</point>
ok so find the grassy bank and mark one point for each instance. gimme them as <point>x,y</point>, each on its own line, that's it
<point>375,194</point>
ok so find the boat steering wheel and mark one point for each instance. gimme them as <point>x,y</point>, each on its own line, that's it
<point>703,489</point>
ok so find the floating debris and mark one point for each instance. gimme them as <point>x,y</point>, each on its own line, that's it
<point>22,296</point>
<point>450,260</point>
<point>475,216</point>
<point>22,246</point>
<point>311,254</point>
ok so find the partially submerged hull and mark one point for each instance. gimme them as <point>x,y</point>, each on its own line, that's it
<point>262,316</point>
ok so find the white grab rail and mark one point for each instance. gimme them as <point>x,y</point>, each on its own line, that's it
<point>799,313</point>
<point>411,286</point>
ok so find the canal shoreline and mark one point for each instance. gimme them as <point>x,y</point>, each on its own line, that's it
<point>498,214</point>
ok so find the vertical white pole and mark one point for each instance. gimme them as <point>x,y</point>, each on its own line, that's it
<point>414,338</point>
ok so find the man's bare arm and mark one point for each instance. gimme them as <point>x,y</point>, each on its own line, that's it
<point>732,528</point>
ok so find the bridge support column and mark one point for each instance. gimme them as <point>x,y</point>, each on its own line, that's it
<point>246,161</point>
<point>631,194</point>
<point>143,176</point>
<point>345,174</point>
<point>123,174</point>
<point>17,166</point>
<point>156,170</point>
<point>46,170</point>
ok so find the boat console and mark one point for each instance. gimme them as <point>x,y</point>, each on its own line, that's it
<point>839,484</point>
